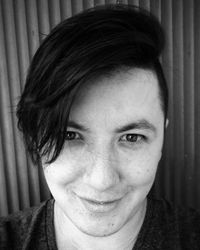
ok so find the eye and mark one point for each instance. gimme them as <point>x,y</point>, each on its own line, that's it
<point>132,138</point>
<point>71,135</point>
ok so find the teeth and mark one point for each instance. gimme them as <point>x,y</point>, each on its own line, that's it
<point>100,202</point>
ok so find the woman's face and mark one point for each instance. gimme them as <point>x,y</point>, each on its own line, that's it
<point>113,145</point>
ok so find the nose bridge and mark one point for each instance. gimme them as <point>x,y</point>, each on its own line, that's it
<point>102,173</point>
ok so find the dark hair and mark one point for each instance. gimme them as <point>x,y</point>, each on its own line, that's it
<point>95,42</point>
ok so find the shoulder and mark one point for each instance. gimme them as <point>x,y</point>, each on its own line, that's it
<point>179,226</point>
<point>169,214</point>
<point>16,228</point>
<point>22,218</point>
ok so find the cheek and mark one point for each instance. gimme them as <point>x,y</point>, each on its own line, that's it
<point>61,171</point>
<point>140,168</point>
<point>67,168</point>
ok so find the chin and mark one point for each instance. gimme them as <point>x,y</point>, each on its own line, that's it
<point>98,226</point>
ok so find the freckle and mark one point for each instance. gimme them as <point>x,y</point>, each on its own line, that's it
<point>111,224</point>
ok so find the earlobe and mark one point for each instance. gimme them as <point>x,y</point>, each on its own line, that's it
<point>166,123</point>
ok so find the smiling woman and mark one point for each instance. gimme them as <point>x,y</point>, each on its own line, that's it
<point>93,115</point>
<point>104,174</point>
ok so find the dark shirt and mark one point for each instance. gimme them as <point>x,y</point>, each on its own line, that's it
<point>165,228</point>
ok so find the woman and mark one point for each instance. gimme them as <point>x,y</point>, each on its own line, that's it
<point>93,115</point>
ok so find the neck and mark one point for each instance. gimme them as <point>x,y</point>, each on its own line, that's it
<point>124,239</point>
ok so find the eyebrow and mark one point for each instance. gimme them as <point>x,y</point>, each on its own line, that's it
<point>76,125</point>
<point>140,124</point>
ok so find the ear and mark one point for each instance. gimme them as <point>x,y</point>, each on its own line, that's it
<point>166,123</point>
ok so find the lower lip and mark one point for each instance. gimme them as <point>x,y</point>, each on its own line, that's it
<point>98,207</point>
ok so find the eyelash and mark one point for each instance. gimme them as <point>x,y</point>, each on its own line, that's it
<point>76,136</point>
<point>130,138</point>
<point>133,138</point>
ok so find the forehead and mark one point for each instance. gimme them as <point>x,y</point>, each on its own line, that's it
<point>132,94</point>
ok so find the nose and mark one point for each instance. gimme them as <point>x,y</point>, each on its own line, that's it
<point>102,174</point>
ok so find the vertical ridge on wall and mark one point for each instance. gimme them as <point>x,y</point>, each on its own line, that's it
<point>66,9</point>
<point>33,43</point>
<point>23,26</point>
<point>188,60</point>
<point>54,11</point>
<point>178,97</point>
<point>22,39</point>
<point>3,189</point>
<point>43,19</point>
<point>15,91</point>
<point>77,6</point>
<point>6,122</point>
<point>197,99</point>
<point>155,8</point>
<point>167,62</point>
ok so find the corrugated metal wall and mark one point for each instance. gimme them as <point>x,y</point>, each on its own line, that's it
<point>24,23</point>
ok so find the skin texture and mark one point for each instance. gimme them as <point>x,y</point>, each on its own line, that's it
<point>112,150</point>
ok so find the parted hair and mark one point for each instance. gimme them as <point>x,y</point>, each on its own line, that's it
<point>90,44</point>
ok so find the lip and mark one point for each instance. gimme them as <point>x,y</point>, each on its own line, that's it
<point>99,206</point>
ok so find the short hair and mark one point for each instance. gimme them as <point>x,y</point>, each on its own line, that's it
<point>93,43</point>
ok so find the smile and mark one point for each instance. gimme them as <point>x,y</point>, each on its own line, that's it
<point>97,206</point>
